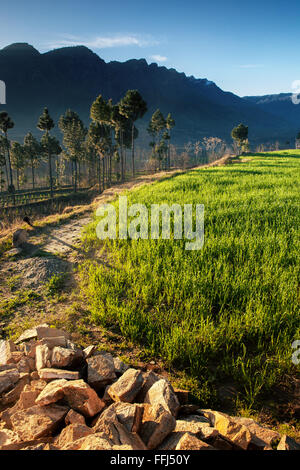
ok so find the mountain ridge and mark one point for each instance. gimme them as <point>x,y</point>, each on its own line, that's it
<point>72,77</point>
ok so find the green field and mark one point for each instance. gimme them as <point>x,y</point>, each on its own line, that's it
<point>230,311</point>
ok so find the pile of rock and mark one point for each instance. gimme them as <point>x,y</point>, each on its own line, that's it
<point>55,395</point>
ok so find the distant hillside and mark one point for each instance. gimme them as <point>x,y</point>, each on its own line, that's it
<point>280,105</point>
<point>73,77</point>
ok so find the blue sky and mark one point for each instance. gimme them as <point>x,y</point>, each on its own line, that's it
<point>248,47</point>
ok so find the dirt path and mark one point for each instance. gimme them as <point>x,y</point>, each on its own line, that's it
<point>62,239</point>
<point>65,238</point>
<point>59,232</point>
<point>54,249</point>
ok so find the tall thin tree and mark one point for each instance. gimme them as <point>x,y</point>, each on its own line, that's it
<point>33,152</point>
<point>5,124</point>
<point>2,165</point>
<point>101,112</point>
<point>99,139</point>
<point>3,150</point>
<point>18,160</point>
<point>45,124</point>
<point>156,126</point>
<point>74,133</point>
<point>133,107</point>
<point>170,123</point>
<point>50,148</point>
<point>119,122</point>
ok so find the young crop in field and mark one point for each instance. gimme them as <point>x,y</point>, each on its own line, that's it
<point>230,310</point>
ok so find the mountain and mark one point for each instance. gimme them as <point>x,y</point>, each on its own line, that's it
<point>72,77</point>
<point>280,105</point>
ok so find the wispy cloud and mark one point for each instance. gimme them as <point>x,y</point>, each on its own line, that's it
<point>103,42</point>
<point>158,58</point>
<point>250,66</point>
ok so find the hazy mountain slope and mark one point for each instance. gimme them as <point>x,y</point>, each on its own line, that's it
<point>280,105</point>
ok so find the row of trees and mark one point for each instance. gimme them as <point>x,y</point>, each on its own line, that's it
<point>102,146</point>
<point>16,156</point>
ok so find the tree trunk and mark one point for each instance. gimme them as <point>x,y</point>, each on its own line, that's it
<point>10,170</point>
<point>32,174</point>
<point>99,172</point>
<point>50,170</point>
<point>90,174</point>
<point>119,171</point>
<point>6,172</point>
<point>125,157</point>
<point>72,172</point>
<point>103,173</point>
<point>107,171</point>
<point>1,179</point>
<point>58,172</point>
<point>132,148</point>
<point>122,158</point>
<point>50,175</point>
<point>9,161</point>
<point>110,168</point>
<point>75,176</point>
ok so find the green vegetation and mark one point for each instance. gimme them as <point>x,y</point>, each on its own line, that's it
<point>9,306</point>
<point>55,284</point>
<point>13,281</point>
<point>229,311</point>
<point>240,136</point>
<point>159,129</point>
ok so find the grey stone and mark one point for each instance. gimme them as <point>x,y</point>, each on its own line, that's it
<point>101,370</point>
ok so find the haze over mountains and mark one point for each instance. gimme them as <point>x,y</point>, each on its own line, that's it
<point>72,77</point>
<point>280,105</point>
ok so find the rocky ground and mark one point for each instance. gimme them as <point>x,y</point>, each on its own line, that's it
<point>55,395</point>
